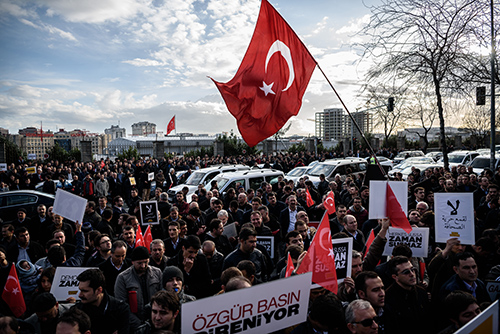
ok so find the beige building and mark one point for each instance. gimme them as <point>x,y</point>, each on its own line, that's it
<point>143,129</point>
<point>31,141</point>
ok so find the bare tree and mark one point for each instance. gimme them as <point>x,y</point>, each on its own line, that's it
<point>389,121</point>
<point>421,109</point>
<point>424,42</point>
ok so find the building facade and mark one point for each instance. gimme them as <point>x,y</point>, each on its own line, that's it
<point>116,132</point>
<point>143,129</point>
<point>334,124</point>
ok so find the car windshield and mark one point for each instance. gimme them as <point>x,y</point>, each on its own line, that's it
<point>221,182</point>
<point>297,172</point>
<point>456,158</point>
<point>195,178</point>
<point>481,163</point>
<point>322,169</point>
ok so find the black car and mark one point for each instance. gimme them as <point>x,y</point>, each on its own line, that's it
<point>12,201</point>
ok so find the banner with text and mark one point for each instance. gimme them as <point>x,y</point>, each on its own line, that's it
<point>268,243</point>
<point>65,284</point>
<point>149,213</point>
<point>454,217</point>
<point>417,240</point>
<point>342,250</point>
<point>377,202</point>
<point>263,308</point>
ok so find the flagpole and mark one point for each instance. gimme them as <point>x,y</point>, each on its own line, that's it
<point>353,121</point>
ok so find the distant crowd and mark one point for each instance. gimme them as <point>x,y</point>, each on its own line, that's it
<point>137,289</point>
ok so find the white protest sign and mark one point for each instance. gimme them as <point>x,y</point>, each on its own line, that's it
<point>31,156</point>
<point>342,250</point>
<point>378,194</point>
<point>149,213</point>
<point>485,323</point>
<point>230,230</point>
<point>151,176</point>
<point>65,284</point>
<point>454,217</point>
<point>493,289</point>
<point>3,167</point>
<point>263,308</point>
<point>268,243</point>
<point>69,206</point>
<point>417,240</point>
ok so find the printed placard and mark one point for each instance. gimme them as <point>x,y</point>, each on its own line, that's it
<point>417,240</point>
<point>454,217</point>
<point>3,167</point>
<point>268,243</point>
<point>230,230</point>
<point>69,206</point>
<point>30,170</point>
<point>132,181</point>
<point>493,289</point>
<point>31,156</point>
<point>342,250</point>
<point>263,308</point>
<point>485,323</point>
<point>151,176</point>
<point>378,192</point>
<point>65,284</point>
<point>149,213</point>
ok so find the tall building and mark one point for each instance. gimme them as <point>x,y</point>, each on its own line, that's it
<point>143,129</point>
<point>116,132</point>
<point>34,141</point>
<point>335,124</point>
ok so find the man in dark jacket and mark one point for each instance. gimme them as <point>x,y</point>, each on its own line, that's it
<point>107,314</point>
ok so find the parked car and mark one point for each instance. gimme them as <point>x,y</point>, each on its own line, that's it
<point>456,158</point>
<point>436,155</point>
<point>383,161</point>
<point>407,154</point>
<point>482,162</point>
<point>296,173</point>
<point>333,167</point>
<point>202,176</point>
<point>12,201</point>
<point>251,179</point>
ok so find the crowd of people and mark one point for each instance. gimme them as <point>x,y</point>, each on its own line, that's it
<point>136,289</point>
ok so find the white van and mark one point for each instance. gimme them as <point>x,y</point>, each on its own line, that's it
<point>249,179</point>
<point>333,167</point>
<point>202,176</point>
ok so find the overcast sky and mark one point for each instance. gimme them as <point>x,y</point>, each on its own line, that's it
<point>95,63</point>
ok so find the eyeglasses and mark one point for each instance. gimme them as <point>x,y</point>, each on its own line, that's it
<point>367,322</point>
<point>408,271</point>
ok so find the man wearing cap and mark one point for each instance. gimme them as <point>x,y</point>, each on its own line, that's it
<point>138,284</point>
<point>47,313</point>
<point>22,220</point>
<point>173,280</point>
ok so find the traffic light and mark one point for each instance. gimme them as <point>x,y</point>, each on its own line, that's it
<point>390,104</point>
<point>480,96</point>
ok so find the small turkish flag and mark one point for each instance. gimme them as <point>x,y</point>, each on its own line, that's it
<point>320,259</point>
<point>148,238</point>
<point>171,125</point>
<point>139,239</point>
<point>309,200</point>
<point>267,89</point>
<point>12,293</point>
<point>394,211</point>
<point>329,203</point>
<point>289,266</point>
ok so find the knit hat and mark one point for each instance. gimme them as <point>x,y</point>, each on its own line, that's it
<point>171,272</point>
<point>140,253</point>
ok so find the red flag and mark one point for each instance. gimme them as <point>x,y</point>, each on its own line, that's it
<point>171,125</point>
<point>395,212</point>
<point>422,270</point>
<point>369,242</point>
<point>139,239</point>
<point>148,238</point>
<point>267,89</point>
<point>289,266</point>
<point>320,258</point>
<point>309,200</point>
<point>41,132</point>
<point>12,293</point>
<point>329,203</point>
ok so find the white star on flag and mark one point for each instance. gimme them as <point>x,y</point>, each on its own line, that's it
<point>15,291</point>
<point>267,88</point>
